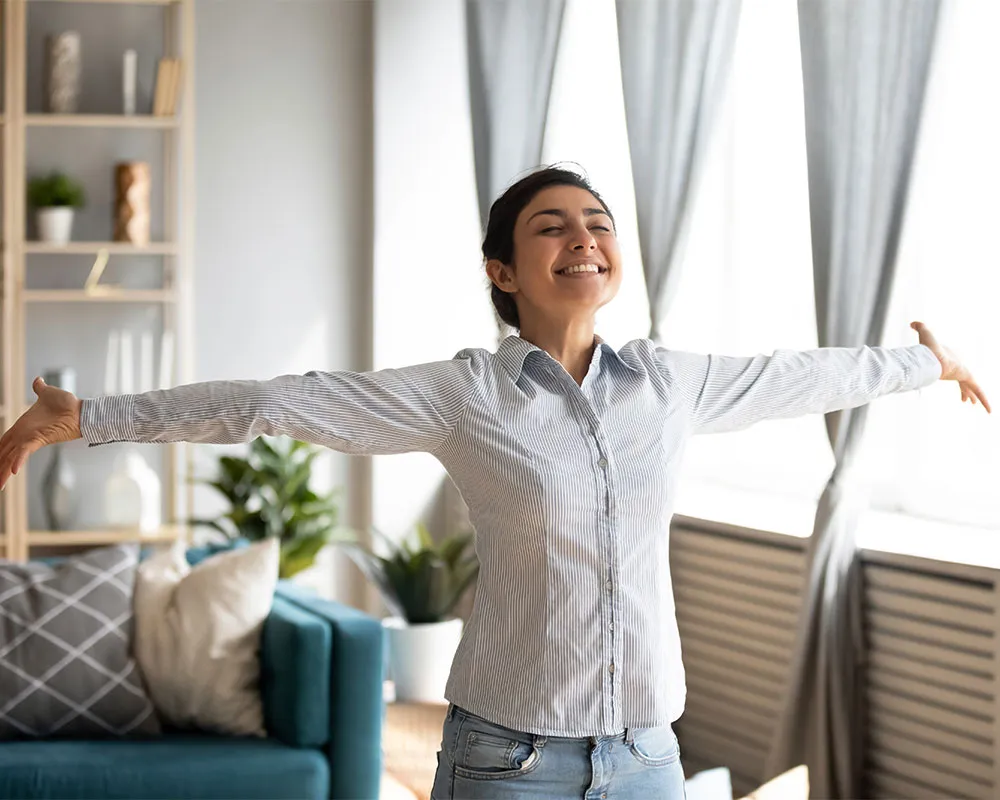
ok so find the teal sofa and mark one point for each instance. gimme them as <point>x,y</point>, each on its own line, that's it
<point>322,668</point>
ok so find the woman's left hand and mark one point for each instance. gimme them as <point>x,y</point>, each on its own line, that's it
<point>951,368</point>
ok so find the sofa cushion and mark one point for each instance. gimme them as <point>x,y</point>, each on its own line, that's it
<point>66,667</point>
<point>198,631</point>
<point>295,675</point>
<point>176,766</point>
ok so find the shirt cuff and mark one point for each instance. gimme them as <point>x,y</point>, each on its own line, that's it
<point>926,368</point>
<point>104,420</point>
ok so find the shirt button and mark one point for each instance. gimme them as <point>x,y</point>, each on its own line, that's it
<point>602,463</point>
<point>608,586</point>
<point>611,669</point>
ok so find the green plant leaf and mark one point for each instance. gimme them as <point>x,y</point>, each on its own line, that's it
<point>55,189</point>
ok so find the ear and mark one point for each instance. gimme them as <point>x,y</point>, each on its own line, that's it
<point>502,275</point>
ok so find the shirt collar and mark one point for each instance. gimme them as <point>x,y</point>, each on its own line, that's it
<point>513,351</point>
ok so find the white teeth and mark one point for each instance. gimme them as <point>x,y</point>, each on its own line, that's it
<point>580,268</point>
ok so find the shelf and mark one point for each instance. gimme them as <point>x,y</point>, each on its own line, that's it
<point>93,248</point>
<point>107,296</point>
<point>115,2</point>
<point>99,120</point>
<point>167,533</point>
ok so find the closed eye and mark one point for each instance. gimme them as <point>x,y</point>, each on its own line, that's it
<point>594,228</point>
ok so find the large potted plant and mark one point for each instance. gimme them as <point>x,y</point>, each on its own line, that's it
<point>54,198</point>
<point>421,583</point>
<point>269,495</point>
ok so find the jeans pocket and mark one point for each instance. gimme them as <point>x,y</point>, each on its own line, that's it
<point>494,753</point>
<point>655,747</point>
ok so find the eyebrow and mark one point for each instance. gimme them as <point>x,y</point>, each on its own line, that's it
<point>558,212</point>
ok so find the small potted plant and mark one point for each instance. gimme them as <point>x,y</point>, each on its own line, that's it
<point>421,583</point>
<point>54,197</point>
<point>269,495</point>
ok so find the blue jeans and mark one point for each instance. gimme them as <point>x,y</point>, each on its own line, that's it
<point>482,761</point>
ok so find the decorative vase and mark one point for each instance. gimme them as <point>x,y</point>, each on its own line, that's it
<point>62,85</point>
<point>132,182</point>
<point>55,224</point>
<point>420,657</point>
<point>132,494</point>
<point>59,500</point>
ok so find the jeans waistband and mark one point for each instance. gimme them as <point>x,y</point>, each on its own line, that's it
<point>626,735</point>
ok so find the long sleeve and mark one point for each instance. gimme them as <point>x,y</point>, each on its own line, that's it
<point>363,413</point>
<point>727,393</point>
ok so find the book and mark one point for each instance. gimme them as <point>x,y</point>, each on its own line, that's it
<point>168,80</point>
<point>160,91</point>
<point>176,72</point>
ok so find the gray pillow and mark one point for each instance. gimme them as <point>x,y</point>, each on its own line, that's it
<point>66,666</point>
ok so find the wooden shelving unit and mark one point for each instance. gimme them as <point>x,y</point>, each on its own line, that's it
<point>98,120</point>
<point>20,255</point>
<point>93,248</point>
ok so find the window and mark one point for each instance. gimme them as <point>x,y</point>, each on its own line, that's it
<point>746,284</point>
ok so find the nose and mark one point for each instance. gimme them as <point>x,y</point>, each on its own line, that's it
<point>583,241</point>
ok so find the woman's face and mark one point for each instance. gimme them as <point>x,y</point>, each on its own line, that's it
<point>563,227</point>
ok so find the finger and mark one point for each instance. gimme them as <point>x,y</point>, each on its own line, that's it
<point>19,461</point>
<point>37,385</point>
<point>982,398</point>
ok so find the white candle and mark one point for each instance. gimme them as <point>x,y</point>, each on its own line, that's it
<point>146,362</point>
<point>128,366</point>
<point>111,365</point>
<point>128,81</point>
<point>166,359</point>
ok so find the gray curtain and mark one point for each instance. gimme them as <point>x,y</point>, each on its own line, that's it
<point>675,58</point>
<point>865,65</point>
<point>512,55</point>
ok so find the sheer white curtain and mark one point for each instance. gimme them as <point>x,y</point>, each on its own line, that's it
<point>930,455</point>
<point>746,284</point>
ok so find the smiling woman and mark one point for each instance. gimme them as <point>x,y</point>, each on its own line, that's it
<point>568,676</point>
<point>552,256</point>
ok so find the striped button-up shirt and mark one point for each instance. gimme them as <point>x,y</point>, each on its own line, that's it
<point>570,490</point>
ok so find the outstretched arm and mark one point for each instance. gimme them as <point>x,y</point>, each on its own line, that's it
<point>726,393</point>
<point>388,411</point>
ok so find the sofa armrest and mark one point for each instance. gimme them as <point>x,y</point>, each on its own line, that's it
<point>295,663</point>
<point>356,677</point>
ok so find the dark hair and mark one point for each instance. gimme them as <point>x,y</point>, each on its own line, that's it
<point>499,240</point>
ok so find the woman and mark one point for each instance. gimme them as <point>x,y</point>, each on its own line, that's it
<point>569,673</point>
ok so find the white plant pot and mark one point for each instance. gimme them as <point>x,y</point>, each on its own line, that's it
<point>420,657</point>
<point>55,224</point>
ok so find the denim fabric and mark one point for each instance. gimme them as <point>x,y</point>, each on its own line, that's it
<point>482,761</point>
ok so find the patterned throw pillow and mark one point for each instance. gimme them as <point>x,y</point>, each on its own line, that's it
<point>66,665</point>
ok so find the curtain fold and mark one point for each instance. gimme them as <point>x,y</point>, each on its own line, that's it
<point>675,59</point>
<point>865,65</point>
<point>512,48</point>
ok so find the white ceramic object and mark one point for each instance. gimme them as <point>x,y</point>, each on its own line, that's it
<point>55,224</point>
<point>132,494</point>
<point>129,64</point>
<point>420,657</point>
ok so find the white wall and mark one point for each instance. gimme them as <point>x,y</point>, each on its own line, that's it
<point>284,198</point>
<point>430,297</point>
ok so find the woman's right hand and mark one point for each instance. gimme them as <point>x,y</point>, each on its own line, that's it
<point>54,417</point>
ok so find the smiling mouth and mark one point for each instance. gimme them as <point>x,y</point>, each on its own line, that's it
<point>582,269</point>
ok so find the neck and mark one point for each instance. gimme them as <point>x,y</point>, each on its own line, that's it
<point>569,343</point>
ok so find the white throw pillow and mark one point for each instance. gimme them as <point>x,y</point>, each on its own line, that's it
<point>197,635</point>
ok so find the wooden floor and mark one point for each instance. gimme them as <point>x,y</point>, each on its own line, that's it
<point>411,737</point>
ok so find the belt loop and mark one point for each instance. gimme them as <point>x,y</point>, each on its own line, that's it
<point>451,711</point>
<point>629,736</point>
<point>538,740</point>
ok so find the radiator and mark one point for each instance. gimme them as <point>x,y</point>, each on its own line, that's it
<point>932,680</point>
<point>737,599</point>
